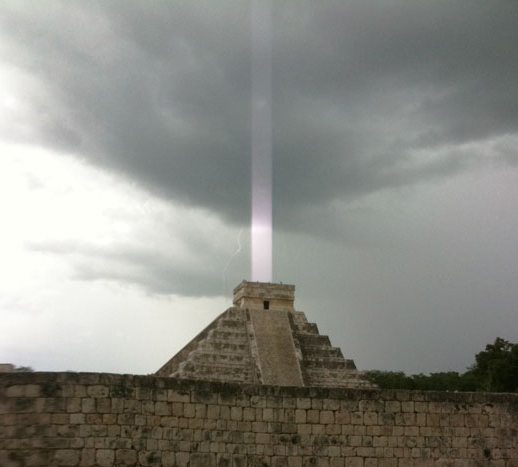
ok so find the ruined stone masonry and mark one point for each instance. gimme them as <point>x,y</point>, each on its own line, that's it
<point>91,419</point>
<point>6,368</point>
<point>259,387</point>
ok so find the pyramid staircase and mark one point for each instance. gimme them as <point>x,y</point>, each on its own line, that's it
<point>224,354</point>
<point>226,351</point>
<point>321,363</point>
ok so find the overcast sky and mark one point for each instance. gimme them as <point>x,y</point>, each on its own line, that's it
<point>125,155</point>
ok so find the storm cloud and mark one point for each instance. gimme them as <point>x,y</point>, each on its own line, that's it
<point>367,95</point>
<point>394,153</point>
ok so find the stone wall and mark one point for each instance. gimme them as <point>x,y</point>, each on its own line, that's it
<point>90,419</point>
<point>6,367</point>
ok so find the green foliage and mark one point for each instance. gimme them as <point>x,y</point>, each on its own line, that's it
<point>390,379</point>
<point>495,370</point>
<point>447,381</point>
<point>22,369</point>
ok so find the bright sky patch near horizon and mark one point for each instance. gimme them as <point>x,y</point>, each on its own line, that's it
<point>125,140</point>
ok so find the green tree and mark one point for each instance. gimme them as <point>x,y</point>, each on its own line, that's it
<point>446,381</point>
<point>22,369</point>
<point>495,370</point>
<point>496,367</point>
<point>390,379</point>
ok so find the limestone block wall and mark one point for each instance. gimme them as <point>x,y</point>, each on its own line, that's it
<point>90,419</point>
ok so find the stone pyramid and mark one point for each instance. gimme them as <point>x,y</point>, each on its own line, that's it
<point>263,340</point>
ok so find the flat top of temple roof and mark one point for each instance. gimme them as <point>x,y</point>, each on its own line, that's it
<point>264,285</point>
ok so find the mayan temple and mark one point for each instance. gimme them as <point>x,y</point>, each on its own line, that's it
<point>262,339</point>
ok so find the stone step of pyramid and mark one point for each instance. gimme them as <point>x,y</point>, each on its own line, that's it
<point>349,384</point>
<point>237,377</point>
<point>336,376</point>
<point>200,355</point>
<point>317,351</point>
<point>329,363</point>
<point>237,336</point>
<point>223,345</point>
<point>341,378</point>
<point>333,373</point>
<point>299,318</point>
<point>231,325</point>
<point>307,328</point>
<point>208,367</point>
<point>234,314</point>
<point>312,340</point>
<point>213,372</point>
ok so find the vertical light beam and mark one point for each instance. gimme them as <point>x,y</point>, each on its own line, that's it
<point>261,141</point>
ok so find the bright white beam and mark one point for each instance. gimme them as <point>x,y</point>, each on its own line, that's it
<point>261,141</point>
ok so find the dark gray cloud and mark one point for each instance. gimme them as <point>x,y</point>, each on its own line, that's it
<point>428,280</point>
<point>362,86</point>
<point>395,129</point>
<point>196,268</point>
<point>161,93</point>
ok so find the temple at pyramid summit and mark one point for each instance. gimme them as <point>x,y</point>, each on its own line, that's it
<point>262,339</point>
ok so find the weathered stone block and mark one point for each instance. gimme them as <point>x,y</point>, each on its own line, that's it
<point>149,458</point>
<point>32,390</point>
<point>66,457</point>
<point>126,456</point>
<point>371,406</point>
<point>87,457</point>
<point>393,406</point>
<point>202,460</point>
<point>407,406</point>
<point>255,401</point>
<point>105,457</point>
<point>406,462</point>
<point>182,459</point>
<point>239,460</point>
<point>421,407</point>
<point>189,410</point>
<point>326,417</point>
<point>103,405</point>
<point>309,462</point>
<point>88,405</point>
<point>357,418</point>
<point>16,390</point>
<point>303,403</point>
<point>279,461</point>
<point>97,391</point>
<point>300,416</point>
<point>262,438</point>
<point>224,460</point>
<point>354,462</point>
<point>168,458</point>
<point>236,413</point>
<point>387,462</point>
<point>294,461</point>
<point>370,418</point>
